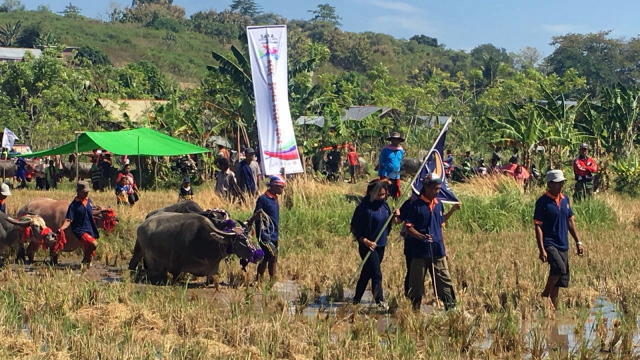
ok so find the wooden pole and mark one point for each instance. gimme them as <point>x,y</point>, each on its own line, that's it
<point>76,159</point>
<point>139,164</point>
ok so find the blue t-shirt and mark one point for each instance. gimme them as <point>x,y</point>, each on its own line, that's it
<point>81,217</point>
<point>3,207</point>
<point>269,204</point>
<point>390,162</point>
<point>245,178</point>
<point>553,215</point>
<point>420,215</point>
<point>368,219</point>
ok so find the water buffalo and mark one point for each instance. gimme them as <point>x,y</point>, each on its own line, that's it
<point>30,228</point>
<point>410,166</point>
<point>8,168</point>
<point>182,207</point>
<point>53,212</point>
<point>84,170</point>
<point>361,168</point>
<point>176,243</point>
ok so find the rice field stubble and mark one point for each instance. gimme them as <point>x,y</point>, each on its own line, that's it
<point>65,314</point>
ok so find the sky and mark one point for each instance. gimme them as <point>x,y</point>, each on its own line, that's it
<point>459,24</point>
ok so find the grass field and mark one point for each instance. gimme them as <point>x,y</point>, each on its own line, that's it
<point>63,314</point>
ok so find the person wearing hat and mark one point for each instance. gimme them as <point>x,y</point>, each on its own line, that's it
<point>424,221</point>
<point>584,167</point>
<point>80,218</point>
<point>245,175</point>
<point>553,219</point>
<point>4,193</point>
<point>352,156</point>
<point>186,192</point>
<point>267,217</point>
<point>390,162</point>
<point>257,172</point>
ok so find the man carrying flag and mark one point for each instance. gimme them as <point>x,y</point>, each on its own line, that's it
<point>424,218</point>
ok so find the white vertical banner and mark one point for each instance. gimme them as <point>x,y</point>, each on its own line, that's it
<point>269,71</point>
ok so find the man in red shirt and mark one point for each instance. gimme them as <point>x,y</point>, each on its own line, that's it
<point>352,156</point>
<point>584,167</point>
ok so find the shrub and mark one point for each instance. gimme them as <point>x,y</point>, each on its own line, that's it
<point>627,176</point>
<point>165,23</point>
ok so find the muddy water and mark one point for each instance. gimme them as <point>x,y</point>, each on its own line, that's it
<point>561,337</point>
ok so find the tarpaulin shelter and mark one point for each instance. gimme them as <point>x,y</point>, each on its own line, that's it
<point>142,142</point>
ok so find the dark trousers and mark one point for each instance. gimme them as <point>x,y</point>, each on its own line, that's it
<point>370,271</point>
<point>444,286</point>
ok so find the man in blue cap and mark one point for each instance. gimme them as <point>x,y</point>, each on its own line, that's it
<point>424,220</point>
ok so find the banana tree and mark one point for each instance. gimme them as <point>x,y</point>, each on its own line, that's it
<point>523,128</point>
<point>621,106</point>
<point>563,135</point>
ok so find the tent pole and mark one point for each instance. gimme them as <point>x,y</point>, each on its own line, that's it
<point>76,159</point>
<point>139,165</point>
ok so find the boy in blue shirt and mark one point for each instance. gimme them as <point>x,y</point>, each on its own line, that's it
<point>553,218</point>
<point>80,218</point>
<point>268,236</point>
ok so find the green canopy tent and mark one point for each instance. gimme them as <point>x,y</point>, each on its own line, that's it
<point>141,142</point>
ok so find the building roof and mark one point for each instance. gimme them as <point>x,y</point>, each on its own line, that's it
<point>432,120</point>
<point>135,109</point>
<point>17,54</point>
<point>311,120</point>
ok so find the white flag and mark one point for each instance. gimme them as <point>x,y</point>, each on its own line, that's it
<point>268,53</point>
<point>8,139</point>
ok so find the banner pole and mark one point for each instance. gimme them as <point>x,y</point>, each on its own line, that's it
<point>444,129</point>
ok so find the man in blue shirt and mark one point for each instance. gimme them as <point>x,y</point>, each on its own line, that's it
<point>390,162</point>
<point>80,218</point>
<point>245,174</point>
<point>267,213</point>
<point>424,244</point>
<point>553,218</point>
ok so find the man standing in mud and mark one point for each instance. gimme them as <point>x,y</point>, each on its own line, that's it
<point>424,220</point>
<point>553,219</point>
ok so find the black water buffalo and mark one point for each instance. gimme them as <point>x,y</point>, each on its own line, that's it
<point>410,166</point>
<point>84,170</point>
<point>182,207</point>
<point>185,243</point>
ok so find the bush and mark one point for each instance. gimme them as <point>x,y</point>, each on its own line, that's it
<point>91,55</point>
<point>627,176</point>
<point>165,23</point>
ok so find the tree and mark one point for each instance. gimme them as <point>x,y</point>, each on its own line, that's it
<point>48,39</point>
<point>43,8</point>
<point>90,55</point>
<point>9,34</point>
<point>425,40</point>
<point>526,58</point>
<point>29,36</point>
<point>594,56</point>
<point>246,7</point>
<point>326,13</point>
<point>488,58</point>
<point>11,5</point>
<point>71,11</point>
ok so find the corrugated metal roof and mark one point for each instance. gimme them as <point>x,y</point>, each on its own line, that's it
<point>135,109</point>
<point>431,120</point>
<point>17,54</point>
<point>311,120</point>
<point>359,112</point>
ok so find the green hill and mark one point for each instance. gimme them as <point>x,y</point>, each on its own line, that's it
<point>185,56</point>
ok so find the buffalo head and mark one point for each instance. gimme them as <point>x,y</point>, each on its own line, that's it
<point>35,229</point>
<point>105,218</point>
<point>236,240</point>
